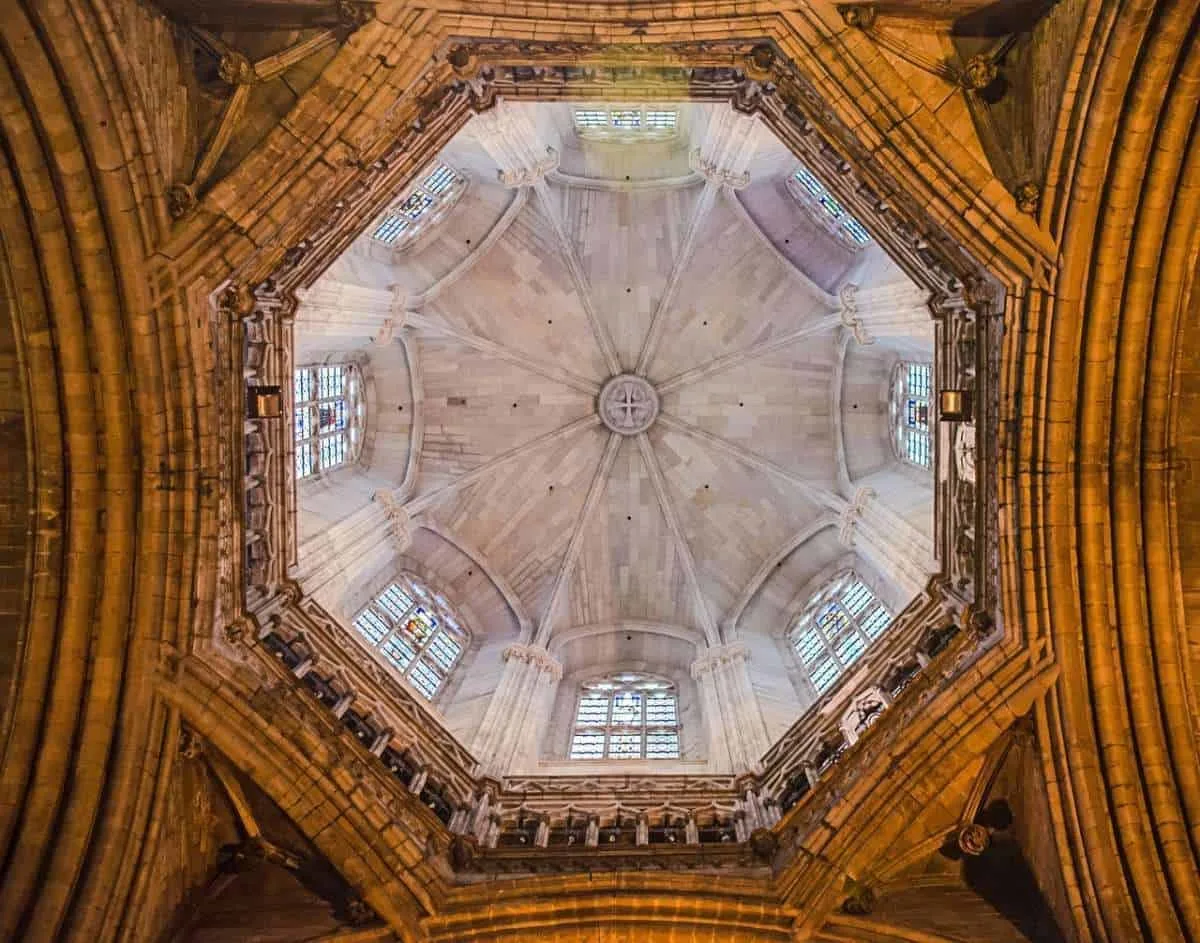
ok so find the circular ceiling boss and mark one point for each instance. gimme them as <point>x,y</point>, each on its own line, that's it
<point>628,404</point>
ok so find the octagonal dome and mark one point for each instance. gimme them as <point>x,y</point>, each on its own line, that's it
<point>626,399</point>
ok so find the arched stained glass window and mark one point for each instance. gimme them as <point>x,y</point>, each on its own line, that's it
<point>825,209</point>
<point>327,410</point>
<point>912,391</point>
<point>838,625</point>
<point>626,716</point>
<point>415,632</point>
<point>630,122</point>
<point>427,201</point>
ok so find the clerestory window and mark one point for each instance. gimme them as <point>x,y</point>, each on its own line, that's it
<point>912,392</point>
<point>427,201</point>
<point>840,622</point>
<point>626,122</point>
<point>626,716</point>
<point>327,410</point>
<point>415,632</point>
<point>825,209</point>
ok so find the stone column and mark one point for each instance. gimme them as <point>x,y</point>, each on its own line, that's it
<point>895,547</point>
<point>735,719</point>
<point>511,140</point>
<point>518,709</point>
<point>360,543</point>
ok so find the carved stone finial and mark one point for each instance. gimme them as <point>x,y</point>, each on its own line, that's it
<point>181,200</point>
<point>859,15</point>
<point>1029,198</point>
<point>235,69</point>
<point>978,73</point>
<point>974,839</point>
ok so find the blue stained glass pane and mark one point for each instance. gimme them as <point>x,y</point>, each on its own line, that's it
<point>372,628</point>
<point>627,708</point>
<point>587,746</point>
<point>876,622</point>
<point>395,601</point>
<point>593,711</point>
<point>444,651</point>
<point>399,652</point>
<point>850,647</point>
<point>424,678</point>
<point>440,180</point>
<point>660,710</point>
<point>856,598</point>
<point>825,674</point>
<point>662,745</point>
<point>625,745</point>
<point>808,645</point>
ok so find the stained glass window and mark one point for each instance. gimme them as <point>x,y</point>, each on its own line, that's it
<point>912,394</point>
<point>626,122</point>
<point>327,410</point>
<point>427,201</point>
<point>626,716</point>
<point>826,210</point>
<point>837,627</point>
<point>415,632</point>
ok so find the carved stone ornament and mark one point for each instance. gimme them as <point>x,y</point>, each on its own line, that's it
<point>860,16</point>
<point>537,656</point>
<point>463,61</point>
<point>764,844</point>
<point>848,311</point>
<point>979,73</point>
<point>628,404</point>
<point>235,69</point>
<point>974,839</point>
<point>238,299</point>
<point>191,747</point>
<point>353,14</point>
<point>860,899</point>
<point>181,200</point>
<point>760,64</point>
<point>462,852</point>
<point>1029,198</point>
<point>964,451</point>
<point>399,518</point>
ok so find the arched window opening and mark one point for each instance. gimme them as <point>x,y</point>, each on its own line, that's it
<point>328,411</point>
<point>626,123</point>
<point>415,631</point>
<point>422,205</point>
<point>837,627</point>
<point>825,209</point>
<point>626,716</point>
<point>912,390</point>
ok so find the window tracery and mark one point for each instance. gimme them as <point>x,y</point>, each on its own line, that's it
<point>415,631</point>
<point>328,413</point>
<point>912,390</point>
<point>840,622</point>
<point>626,123</point>
<point>825,209</point>
<point>422,205</point>
<point>626,716</point>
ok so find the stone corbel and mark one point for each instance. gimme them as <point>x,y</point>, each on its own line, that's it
<point>536,656</point>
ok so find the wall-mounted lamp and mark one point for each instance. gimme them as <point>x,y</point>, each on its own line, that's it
<point>264,402</point>
<point>954,406</point>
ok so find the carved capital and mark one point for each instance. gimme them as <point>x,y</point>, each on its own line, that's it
<point>717,656</point>
<point>398,517</point>
<point>848,312</point>
<point>710,170</point>
<point>536,656</point>
<point>851,514</point>
<point>528,176</point>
